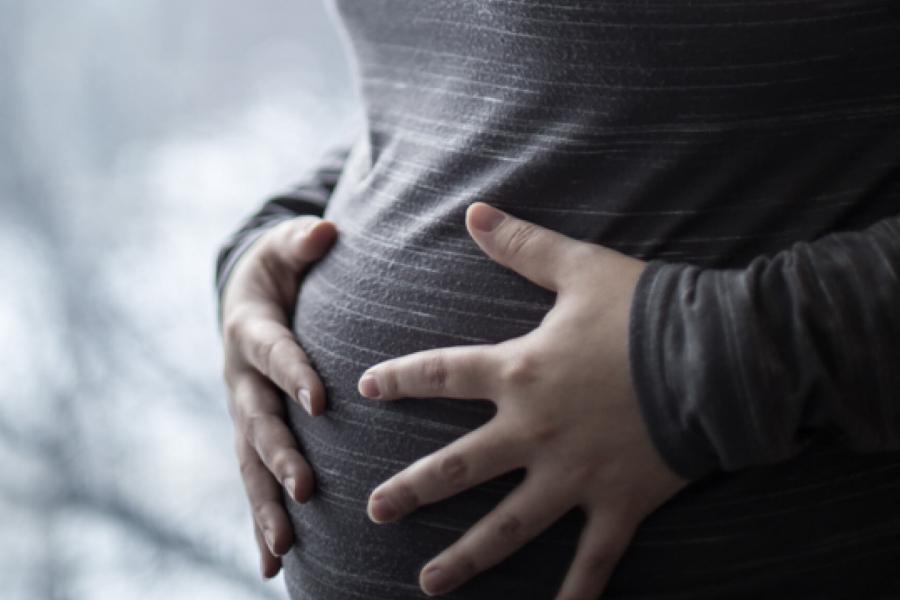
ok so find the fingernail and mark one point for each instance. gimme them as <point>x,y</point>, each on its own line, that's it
<point>368,386</point>
<point>303,394</point>
<point>486,218</point>
<point>270,540</point>
<point>290,484</point>
<point>435,580</point>
<point>382,509</point>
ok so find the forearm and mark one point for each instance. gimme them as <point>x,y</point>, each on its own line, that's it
<point>742,366</point>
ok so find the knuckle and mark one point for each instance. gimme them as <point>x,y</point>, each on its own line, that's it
<point>521,370</point>
<point>582,475</point>
<point>233,327</point>
<point>234,376</point>
<point>544,432</point>
<point>510,528</point>
<point>254,427</point>
<point>246,465</point>
<point>583,255</point>
<point>518,238</point>
<point>268,256</point>
<point>435,372</point>
<point>259,348</point>
<point>453,469</point>
<point>262,509</point>
<point>280,461</point>
<point>267,351</point>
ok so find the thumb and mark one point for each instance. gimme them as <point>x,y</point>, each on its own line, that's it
<point>541,255</point>
<point>302,240</point>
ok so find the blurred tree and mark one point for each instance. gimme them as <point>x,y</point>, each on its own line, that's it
<point>133,136</point>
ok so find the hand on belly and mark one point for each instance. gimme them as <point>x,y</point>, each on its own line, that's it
<point>261,355</point>
<point>566,412</point>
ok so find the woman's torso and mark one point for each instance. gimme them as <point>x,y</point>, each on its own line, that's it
<point>705,132</point>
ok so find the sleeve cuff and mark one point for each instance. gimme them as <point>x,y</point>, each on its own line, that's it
<point>678,442</point>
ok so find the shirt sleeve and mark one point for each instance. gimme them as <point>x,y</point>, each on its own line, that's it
<point>308,197</point>
<point>739,367</point>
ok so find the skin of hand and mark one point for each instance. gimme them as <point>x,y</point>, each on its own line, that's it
<point>261,356</point>
<point>566,412</point>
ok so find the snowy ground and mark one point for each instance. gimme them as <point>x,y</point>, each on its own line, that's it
<point>133,136</point>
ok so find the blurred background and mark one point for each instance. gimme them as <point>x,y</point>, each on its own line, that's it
<point>135,135</point>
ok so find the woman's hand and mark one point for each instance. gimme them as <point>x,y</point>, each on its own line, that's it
<point>566,411</point>
<point>260,354</point>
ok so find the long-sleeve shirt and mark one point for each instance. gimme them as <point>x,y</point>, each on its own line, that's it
<point>749,151</point>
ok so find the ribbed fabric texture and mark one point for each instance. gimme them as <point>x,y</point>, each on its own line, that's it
<point>750,151</point>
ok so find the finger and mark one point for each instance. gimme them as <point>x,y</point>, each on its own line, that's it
<point>476,457</point>
<point>269,564</point>
<point>300,241</point>
<point>265,498</point>
<point>603,541</point>
<point>271,348</point>
<point>461,372</point>
<point>545,257</point>
<point>272,267</point>
<point>522,515</point>
<point>259,414</point>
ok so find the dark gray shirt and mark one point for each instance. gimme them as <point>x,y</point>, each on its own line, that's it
<point>749,150</point>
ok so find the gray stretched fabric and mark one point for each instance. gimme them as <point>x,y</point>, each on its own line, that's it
<point>750,151</point>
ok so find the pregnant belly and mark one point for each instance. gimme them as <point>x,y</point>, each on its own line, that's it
<point>360,306</point>
<point>755,533</point>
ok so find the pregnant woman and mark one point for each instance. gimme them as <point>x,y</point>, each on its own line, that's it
<point>666,368</point>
